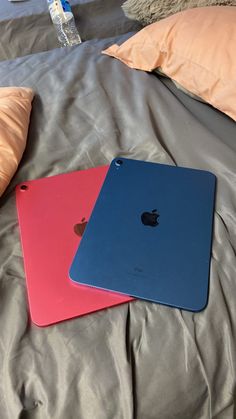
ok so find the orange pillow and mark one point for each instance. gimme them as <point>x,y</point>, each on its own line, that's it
<point>196,48</point>
<point>15,108</point>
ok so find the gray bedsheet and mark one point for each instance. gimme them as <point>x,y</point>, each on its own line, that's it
<point>26,27</point>
<point>139,360</point>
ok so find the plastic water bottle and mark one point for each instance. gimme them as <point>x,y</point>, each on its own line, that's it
<point>64,22</point>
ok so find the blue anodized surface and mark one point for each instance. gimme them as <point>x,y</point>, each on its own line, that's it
<point>167,262</point>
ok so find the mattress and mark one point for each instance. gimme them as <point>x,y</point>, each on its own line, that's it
<point>138,360</point>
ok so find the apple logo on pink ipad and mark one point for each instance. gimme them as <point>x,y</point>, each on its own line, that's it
<point>150,218</point>
<point>80,227</point>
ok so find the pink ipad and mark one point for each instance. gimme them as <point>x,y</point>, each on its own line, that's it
<point>52,215</point>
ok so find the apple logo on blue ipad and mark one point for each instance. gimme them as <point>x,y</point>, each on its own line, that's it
<point>150,218</point>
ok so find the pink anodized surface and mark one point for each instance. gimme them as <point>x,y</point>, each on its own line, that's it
<point>51,214</point>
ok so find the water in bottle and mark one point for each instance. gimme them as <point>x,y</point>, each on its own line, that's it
<point>64,22</point>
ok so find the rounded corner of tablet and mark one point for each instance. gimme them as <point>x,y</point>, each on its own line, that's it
<point>211,176</point>
<point>71,275</point>
<point>37,321</point>
<point>202,305</point>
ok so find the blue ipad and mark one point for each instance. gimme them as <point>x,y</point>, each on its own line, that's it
<point>150,233</point>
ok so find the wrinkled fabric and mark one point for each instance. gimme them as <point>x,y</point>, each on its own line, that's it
<point>139,360</point>
<point>26,27</point>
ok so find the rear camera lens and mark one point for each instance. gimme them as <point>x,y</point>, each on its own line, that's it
<point>119,162</point>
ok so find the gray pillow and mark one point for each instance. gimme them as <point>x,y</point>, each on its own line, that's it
<point>149,11</point>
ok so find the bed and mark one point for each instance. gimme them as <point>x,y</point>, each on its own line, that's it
<point>26,28</point>
<point>137,360</point>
